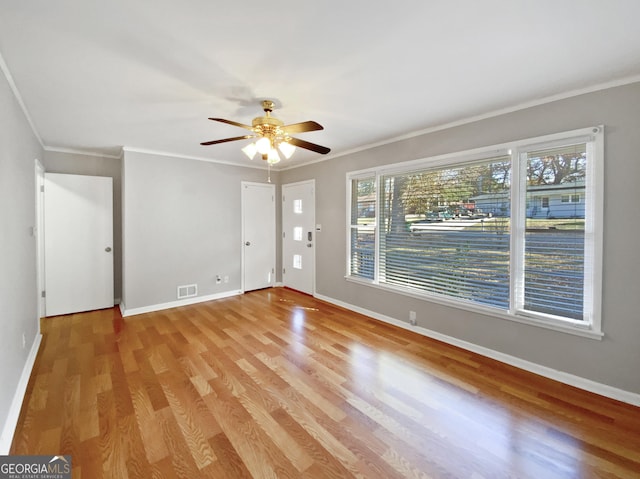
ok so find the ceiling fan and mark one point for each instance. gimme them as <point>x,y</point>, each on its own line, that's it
<point>272,135</point>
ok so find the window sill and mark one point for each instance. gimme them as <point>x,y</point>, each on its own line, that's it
<point>576,330</point>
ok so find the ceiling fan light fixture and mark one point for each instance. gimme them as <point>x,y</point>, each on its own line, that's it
<point>263,145</point>
<point>287,149</point>
<point>250,150</point>
<point>273,157</point>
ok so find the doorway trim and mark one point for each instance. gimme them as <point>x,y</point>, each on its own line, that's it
<point>39,234</point>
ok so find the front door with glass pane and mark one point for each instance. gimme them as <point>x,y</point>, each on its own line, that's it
<point>298,236</point>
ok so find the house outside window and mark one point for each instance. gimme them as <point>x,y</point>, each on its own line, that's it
<point>500,229</point>
<point>571,198</point>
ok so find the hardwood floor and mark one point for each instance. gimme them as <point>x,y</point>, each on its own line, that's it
<point>277,384</point>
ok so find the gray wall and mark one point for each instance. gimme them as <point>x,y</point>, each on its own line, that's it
<point>79,164</point>
<point>615,360</point>
<point>181,225</point>
<point>18,286</point>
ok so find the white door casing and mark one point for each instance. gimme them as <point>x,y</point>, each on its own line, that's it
<point>39,234</point>
<point>78,243</point>
<point>258,235</point>
<point>298,236</point>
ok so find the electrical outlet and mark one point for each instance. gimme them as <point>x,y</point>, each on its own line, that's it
<point>412,318</point>
<point>226,279</point>
<point>24,340</point>
<point>218,279</point>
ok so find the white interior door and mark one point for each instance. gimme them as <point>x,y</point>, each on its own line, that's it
<point>259,235</point>
<point>78,243</point>
<point>298,236</point>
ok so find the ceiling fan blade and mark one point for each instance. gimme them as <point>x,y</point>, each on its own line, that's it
<point>235,138</point>
<point>309,146</point>
<point>302,127</point>
<point>231,122</point>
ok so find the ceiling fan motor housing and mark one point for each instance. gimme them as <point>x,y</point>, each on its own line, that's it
<point>270,127</point>
<point>266,121</point>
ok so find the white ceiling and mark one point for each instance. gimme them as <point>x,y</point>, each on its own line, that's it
<point>95,76</point>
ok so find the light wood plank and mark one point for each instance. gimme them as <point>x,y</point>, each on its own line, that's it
<point>276,384</point>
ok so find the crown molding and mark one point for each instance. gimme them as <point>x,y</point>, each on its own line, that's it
<point>73,151</point>
<point>16,93</point>
<point>187,157</point>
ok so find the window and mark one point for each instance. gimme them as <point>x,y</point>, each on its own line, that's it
<point>570,198</point>
<point>445,231</point>
<point>362,227</point>
<point>502,228</point>
<point>554,240</point>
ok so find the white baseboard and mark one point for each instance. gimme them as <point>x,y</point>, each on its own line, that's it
<point>174,304</point>
<point>16,405</point>
<point>563,377</point>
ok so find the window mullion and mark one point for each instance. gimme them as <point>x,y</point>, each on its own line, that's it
<point>376,231</point>
<point>593,233</point>
<point>349,224</point>
<point>518,229</point>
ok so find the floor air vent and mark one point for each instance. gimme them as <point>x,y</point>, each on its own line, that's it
<point>187,291</point>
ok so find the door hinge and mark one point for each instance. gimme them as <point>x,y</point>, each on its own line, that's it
<point>41,188</point>
<point>284,234</point>
<point>43,294</point>
<point>284,270</point>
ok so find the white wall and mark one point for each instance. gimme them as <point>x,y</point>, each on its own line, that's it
<point>613,361</point>
<point>18,287</point>
<point>181,225</point>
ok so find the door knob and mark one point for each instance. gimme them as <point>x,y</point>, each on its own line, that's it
<point>248,243</point>
<point>108,249</point>
<point>309,245</point>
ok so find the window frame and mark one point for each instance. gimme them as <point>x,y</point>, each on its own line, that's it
<point>350,226</point>
<point>590,326</point>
